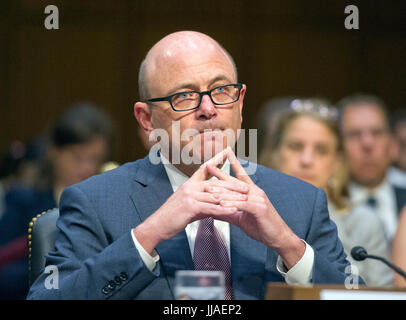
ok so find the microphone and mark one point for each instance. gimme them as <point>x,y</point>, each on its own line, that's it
<point>359,254</point>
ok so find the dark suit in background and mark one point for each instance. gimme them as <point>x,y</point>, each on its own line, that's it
<point>400,198</point>
<point>22,204</point>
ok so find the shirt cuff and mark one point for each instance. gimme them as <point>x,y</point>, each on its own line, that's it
<point>149,261</point>
<point>301,272</point>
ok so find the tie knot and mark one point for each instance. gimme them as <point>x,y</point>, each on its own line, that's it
<point>372,202</point>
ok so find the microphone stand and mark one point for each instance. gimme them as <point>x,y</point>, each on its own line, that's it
<point>389,264</point>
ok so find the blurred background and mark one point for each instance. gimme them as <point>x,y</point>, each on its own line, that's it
<point>281,48</point>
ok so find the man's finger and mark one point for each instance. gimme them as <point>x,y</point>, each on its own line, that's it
<point>216,172</point>
<point>217,197</point>
<point>239,171</point>
<point>202,174</point>
<point>240,205</point>
<point>225,188</point>
<point>214,209</point>
<point>232,218</point>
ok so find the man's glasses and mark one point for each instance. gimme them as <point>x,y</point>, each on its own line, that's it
<point>190,100</point>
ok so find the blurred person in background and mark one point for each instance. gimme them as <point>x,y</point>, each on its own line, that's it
<point>307,144</point>
<point>77,145</point>
<point>268,117</point>
<point>10,162</point>
<point>19,167</point>
<point>397,172</point>
<point>370,149</point>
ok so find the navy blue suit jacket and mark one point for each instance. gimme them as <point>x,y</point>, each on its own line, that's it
<point>95,248</point>
<point>400,198</point>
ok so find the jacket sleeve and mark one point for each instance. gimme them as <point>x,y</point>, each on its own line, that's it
<point>88,264</point>
<point>330,261</point>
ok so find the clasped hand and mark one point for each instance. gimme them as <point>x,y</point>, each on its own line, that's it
<point>236,200</point>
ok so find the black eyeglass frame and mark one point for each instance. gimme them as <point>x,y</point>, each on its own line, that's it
<point>201,94</point>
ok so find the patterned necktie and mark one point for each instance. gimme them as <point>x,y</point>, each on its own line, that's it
<point>211,254</point>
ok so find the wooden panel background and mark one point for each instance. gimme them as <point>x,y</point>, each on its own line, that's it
<point>281,48</point>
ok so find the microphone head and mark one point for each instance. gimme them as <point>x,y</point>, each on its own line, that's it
<point>359,253</point>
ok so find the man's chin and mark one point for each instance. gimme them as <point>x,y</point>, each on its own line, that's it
<point>370,181</point>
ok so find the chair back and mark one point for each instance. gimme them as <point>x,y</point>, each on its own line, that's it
<point>42,234</point>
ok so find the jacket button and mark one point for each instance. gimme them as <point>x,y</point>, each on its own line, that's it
<point>118,280</point>
<point>111,285</point>
<point>123,276</point>
<point>105,290</point>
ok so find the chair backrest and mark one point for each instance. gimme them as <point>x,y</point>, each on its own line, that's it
<point>42,233</point>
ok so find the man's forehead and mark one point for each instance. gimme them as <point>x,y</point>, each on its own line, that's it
<point>176,55</point>
<point>180,45</point>
<point>184,40</point>
<point>364,114</point>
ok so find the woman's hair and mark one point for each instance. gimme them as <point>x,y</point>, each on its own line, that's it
<point>78,124</point>
<point>321,111</point>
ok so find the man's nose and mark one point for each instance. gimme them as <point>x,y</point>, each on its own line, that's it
<point>367,140</point>
<point>207,109</point>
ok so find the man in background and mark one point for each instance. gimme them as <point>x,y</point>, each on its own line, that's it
<point>370,149</point>
<point>397,172</point>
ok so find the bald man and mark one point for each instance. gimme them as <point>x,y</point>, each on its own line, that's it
<point>125,233</point>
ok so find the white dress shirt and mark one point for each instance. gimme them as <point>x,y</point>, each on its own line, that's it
<point>386,208</point>
<point>360,226</point>
<point>300,273</point>
<point>396,177</point>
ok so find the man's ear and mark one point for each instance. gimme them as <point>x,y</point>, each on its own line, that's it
<point>144,116</point>
<point>241,100</point>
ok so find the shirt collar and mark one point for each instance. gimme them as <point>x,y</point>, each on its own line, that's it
<point>360,194</point>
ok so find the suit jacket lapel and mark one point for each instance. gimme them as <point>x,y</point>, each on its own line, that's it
<point>156,189</point>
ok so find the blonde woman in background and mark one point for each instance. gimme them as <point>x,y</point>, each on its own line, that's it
<point>307,144</point>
